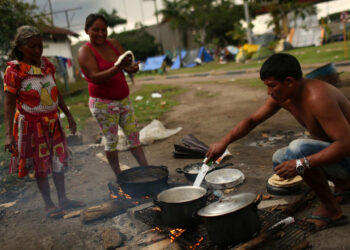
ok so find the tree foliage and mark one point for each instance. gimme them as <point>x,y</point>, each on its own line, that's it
<point>112,18</point>
<point>280,10</point>
<point>138,41</point>
<point>208,20</point>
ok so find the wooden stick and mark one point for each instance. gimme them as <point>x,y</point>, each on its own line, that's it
<point>106,209</point>
<point>73,214</point>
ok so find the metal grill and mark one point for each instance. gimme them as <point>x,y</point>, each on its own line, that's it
<point>197,238</point>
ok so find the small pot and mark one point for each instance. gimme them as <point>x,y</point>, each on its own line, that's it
<point>232,220</point>
<point>179,205</point>
<point>191,170</point>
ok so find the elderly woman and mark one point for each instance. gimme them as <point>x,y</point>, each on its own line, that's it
<point>109,92</point>
<point>34,134</point>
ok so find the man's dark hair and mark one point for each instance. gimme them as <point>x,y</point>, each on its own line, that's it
<point>90,19</point>
<point>280,66</point>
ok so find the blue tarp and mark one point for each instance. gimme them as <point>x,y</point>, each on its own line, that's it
<point>153,63</point>
<point>199,55</point>
<point>176,64</point>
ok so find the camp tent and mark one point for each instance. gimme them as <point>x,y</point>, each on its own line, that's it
<point>197,55</point>
<point>177,63</point>
<point>153,63</point>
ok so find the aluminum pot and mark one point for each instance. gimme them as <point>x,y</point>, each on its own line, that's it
<point>232,220</point>
<point>179,205</point>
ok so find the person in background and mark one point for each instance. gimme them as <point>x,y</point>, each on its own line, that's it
<point>321,109</point>
<point>34,133</point>
<point>109,100</point>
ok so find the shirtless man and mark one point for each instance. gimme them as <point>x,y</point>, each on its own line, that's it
<point>325,112</point>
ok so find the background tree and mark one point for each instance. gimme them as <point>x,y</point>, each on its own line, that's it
<point>210,21</point>
<point>283,9</point>
<point>112,18</point>
<point>139,42</point>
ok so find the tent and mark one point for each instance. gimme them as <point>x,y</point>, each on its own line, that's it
<point>196,56</point>
<point>153,63</point>
<point>177,63</point>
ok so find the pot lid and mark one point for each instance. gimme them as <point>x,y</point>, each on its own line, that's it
<point>227,205</point>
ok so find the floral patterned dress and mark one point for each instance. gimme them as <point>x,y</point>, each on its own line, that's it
<point>37,130</point>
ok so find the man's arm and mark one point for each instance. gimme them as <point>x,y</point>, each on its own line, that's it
<point>336,127</point>
<point>269,108</point>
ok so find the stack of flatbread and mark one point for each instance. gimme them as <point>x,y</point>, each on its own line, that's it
<point>277,181</point>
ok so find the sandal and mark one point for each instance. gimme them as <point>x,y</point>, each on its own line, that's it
<point>329,222</point>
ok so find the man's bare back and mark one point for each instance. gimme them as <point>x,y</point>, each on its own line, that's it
<point>315,93</point>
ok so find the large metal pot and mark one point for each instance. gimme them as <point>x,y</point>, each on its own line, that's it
<point>144,180</point>
<point>179,205</point>
<point>232,219</point>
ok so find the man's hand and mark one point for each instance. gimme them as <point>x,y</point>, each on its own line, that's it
<point>132,68</point>
<point>287,169</point>
<point>215,150</point>
<point>10,144</point>
<point>72,124</point>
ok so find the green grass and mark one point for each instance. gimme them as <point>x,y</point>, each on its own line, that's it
<point>150,108</point>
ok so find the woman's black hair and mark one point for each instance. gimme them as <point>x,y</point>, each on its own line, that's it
<point>90,19</point>
<point>280,66</point>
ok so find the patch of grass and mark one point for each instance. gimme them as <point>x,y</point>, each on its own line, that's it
<point>206,94</point>
<point>74,87</point>
<point>251,82</point>
<point>150,108</point>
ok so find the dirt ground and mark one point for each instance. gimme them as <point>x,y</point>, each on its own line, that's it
<point>25,226</point>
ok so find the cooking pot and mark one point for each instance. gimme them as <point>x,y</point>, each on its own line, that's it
<point>232,219</point>
<point>224,178</point>
<point>179,205</point>
<point>191,170</point>
<point>144,180</point>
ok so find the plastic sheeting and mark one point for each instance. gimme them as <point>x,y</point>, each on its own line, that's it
<point>152,132</point>
<point>153,63</point>
<point>193,55</point>
<point>177,63</point>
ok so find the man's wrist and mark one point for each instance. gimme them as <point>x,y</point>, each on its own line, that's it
<point>307,163</point>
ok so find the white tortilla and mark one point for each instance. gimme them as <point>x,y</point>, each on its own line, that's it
<point>121,57</point>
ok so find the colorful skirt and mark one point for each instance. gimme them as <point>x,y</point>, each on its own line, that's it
<point>41,144</point>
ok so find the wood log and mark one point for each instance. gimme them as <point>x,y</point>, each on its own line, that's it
<point>73,214</point>
<point>106,209</point>
<point>111,238</point>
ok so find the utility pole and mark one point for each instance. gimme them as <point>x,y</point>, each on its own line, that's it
<point>51,13</point>
<point>159,34</point>
<point>142,14</point>
<point>247,19</point>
